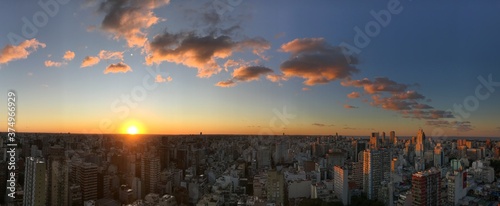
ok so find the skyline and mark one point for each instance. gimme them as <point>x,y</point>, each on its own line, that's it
<point>179,67</point>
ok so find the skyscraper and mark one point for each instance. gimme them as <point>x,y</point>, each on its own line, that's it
<point>374,140</point>
<point>341,184</point>
<point>150,173</point>
<point>392,137</point>
<point>58,177</point>
<point>438,155</point>
<point>34,182</point>
<point>420,144</point>
<point>426,187</point>
<point>87,179</point>
<point>376,168</point>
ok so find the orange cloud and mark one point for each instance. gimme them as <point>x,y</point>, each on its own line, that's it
<point>314,60</point>
<point>353,95</point>
<point>227,83</point>
<point>69,55</point>
<point>103,54</point>
<point>160,79</point>
<point>117,68</point>
<point>21,51</point>
<point>200,52</point>
<point>89,61</point>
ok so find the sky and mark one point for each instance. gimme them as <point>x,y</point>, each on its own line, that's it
<point>252,67</point>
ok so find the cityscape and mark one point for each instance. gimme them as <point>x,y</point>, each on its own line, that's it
<point>233,102</point>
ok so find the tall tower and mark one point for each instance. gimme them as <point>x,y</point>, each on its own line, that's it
<point>58,177</point>
<point>438,155</point>
<point>87,178</point>
<point>376,168</point>
<point>374,140</point>
<point>420,144</point>
<point>150,173</point>
<point>392,137</point>
<point>426,187</point>
<point>34,182</point>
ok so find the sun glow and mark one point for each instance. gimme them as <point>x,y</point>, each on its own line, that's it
<point>132,130</point>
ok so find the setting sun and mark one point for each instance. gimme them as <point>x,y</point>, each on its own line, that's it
<point>132,130</point>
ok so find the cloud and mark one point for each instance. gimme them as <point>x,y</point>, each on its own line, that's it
<point>30,73</point>
<point>306,88</point>
<point>117,68</point>
<point>251,73</point>
<point>160,79</point>
<point>200,52</point>
<point>22,51</point>
<point>227,83</point>
<point>461,126</point>
<point>380,84</point>
<point>276,77</point>
<point>49,63</point>
<point>103,54</point>
<point>89,61</point>
<point>322,125</point>
<point>129,19</point>
<point>353,95</point>
<point>245,74</point>
<point>69,55</point>
<point>349,106</point>
<point>314,60</point>
<point>427,114</point>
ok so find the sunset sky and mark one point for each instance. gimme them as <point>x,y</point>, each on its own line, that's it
<point>252,67</point>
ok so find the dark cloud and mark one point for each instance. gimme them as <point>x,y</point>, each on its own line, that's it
<point>349,106</point>
<point>380,84</point>
<point>427,114</point>
<point>245,74</point>
<point>200,52</point>
<point>461,126</point>
<point>129,19</point>
<point>322,125</point>
<point>314,60</point>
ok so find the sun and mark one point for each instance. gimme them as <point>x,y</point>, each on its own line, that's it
<point>132,130</point>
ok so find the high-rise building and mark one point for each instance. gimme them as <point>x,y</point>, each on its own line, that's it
<point>58,177</point>
<point>150,173</point>
<point>438,155</point>
<point>426,187</point>
<point>420,143</point>
<point>275,187</point>
<point>457,186</point>
<point>376,168</point>
<point>357,171</point>
<point>34,182</point>
<point>341,184</point>
<point>87,179</point>
<point>392,137</point>
<point>374,140</point>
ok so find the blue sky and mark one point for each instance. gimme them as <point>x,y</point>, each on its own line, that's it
<point>169,59</point>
